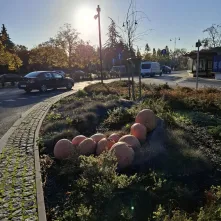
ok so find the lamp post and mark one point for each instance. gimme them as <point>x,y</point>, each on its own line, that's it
<point>99,30</point>
<point>198,44</point>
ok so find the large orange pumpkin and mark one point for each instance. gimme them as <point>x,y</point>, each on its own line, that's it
<point>131,141</point>
<point>62,149</point>
<point>87,147</point>
<point>124,154</point>
<point>104,144</point>
<point>147,118</point>
<point>78,139</point>
<point>139,131</point>
<point>97,137</point>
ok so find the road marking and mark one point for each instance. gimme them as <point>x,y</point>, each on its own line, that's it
<point>10,100</point>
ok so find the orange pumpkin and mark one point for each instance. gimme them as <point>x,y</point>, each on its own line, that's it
<point>115,137</point>
<point>78,139</point>
<point>124,154</point>
<point>97,137</point>
<point>87,146</point>
<point>131,141</point>
<point>147,118</point>
<point>104,144</point>
<point>62,149</point>
<point>139,131</point>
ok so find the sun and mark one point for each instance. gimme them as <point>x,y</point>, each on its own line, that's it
<point>84,20</point>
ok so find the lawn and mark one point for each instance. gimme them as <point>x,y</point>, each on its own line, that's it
<point>182,183</point>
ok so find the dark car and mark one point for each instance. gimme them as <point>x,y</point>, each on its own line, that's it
<point>166,69</point>
<point>43,80</point>
<point>9,78</point>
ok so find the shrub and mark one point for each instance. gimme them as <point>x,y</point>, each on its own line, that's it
<point>81,93</point>
<point>215,131</point>
<point>52,116</point>
<point>96,195</point>
<point>55,126</point>
<point>49,140</point>
<point>117,118</point>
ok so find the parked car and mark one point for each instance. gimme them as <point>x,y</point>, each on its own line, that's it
<point>149,68</point>
<point>9,78</point>
<point>118,71</point>
<point>60,72</point>
<point>43,80</point>
<point>166,69</point>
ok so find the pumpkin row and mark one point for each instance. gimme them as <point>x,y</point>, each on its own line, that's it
<point>123,147</point>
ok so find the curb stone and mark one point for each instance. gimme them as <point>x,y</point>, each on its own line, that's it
<point>21,192</point>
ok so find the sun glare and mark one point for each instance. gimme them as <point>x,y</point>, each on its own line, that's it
<point>84,20</point>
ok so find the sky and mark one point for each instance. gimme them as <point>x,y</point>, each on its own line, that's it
<point>31,22</point>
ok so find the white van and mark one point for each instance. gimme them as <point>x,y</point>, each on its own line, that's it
<point>149,68</point>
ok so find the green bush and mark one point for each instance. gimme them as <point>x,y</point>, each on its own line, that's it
<point>97,194</point>
<point>215,131</point>
<point>81,93</point>
<point>117,118</point>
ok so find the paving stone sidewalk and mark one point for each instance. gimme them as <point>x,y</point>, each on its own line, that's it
<point>18,191</point>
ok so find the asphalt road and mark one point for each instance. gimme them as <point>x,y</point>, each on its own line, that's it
<point>13,101</point>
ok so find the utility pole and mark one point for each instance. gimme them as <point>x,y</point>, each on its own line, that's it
<point>99,30</point>
<point>198,44</point>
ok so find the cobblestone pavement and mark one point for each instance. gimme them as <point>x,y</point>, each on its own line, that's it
<point>18,199</point>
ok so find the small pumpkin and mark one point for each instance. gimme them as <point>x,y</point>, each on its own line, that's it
<point>139,131</point>
<point>124,154</point>
<point>78,139</point>
<point>131,141</point>
<point>104,144</point>
<point>147,118</point>
<point>114,137</point>
<point>62,149</point>
<point>97,137</point>
<point>87,147</point>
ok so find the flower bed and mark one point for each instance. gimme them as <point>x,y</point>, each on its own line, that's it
<point>175,183</point>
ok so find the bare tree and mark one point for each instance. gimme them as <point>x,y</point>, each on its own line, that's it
<point>131,34</point>
<point>214,39</point>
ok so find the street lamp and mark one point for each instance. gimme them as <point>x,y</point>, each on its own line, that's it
<point>198,45</point>
<point>175,39</point>
<point>99,30</point>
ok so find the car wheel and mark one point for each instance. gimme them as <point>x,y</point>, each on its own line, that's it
<point>28,90</point>
<point>43,88</point>
<point>69,86</point>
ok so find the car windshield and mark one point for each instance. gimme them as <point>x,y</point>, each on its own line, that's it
<point>146,66</point>
<point>32,75</point>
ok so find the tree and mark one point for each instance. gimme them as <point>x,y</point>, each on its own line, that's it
<point>113,35</point>
<point>214,39</point>
<point>5,39</point>
<point>154,52</point>
<point>85,55</point>
<point>167,50</point>
<point>23,53</point>
<point>147,48</point>
<point>67,38</point>
<point>138,53</point>
<point>158,52</point>
<point>47,56</point>
<point>9,60</point>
